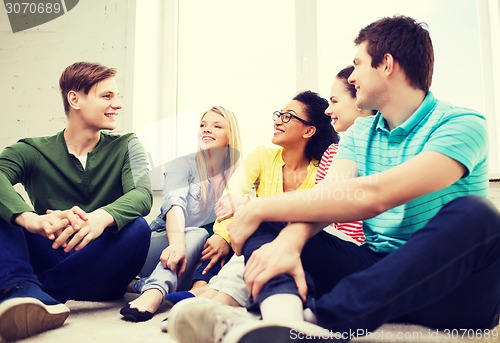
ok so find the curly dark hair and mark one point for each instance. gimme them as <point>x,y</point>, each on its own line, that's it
<point>315,107</point>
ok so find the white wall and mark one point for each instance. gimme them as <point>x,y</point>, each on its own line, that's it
<point>238,54</point>
<point>465,45</point>
<point>31,62</point>
<point>176,58</point>
<point>489,29</point>
<point>453,26</point>
<point>152,76</point>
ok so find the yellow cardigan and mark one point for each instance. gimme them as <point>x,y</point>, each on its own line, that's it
<point>264,169</point>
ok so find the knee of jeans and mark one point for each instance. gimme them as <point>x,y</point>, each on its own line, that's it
<point>195,242</point>
<point>480,211</point>
<point>196,234</point>
<point>138,231</point>
<point>266,233</point>
<point>479,207</point>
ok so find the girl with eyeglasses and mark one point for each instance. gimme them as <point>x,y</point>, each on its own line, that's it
<point>303,133</point>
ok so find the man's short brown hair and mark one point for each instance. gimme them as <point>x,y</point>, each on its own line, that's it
<point>408,41</point>
<point>82,76</point>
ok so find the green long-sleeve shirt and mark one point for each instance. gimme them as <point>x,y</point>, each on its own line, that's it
<point>115,177</point>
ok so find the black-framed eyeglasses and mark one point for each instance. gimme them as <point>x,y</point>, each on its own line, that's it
<point>287,116</point>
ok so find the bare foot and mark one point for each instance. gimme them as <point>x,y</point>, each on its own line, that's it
<point>149,301</point>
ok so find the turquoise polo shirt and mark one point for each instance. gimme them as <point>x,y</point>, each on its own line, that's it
<point>456,132</point>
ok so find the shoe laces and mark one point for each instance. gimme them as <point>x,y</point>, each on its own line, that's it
<point>221,328</point>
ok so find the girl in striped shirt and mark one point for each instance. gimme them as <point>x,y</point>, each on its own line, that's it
<point>343,111</point>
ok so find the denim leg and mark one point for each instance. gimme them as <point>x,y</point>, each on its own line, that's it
<point>165,279</point>
<point>194,249</point>
<point>325,258</point>
<point>445,276</point>
<point>281,284</point>
<point>100,271</point>
<point>39,245</point>
<point>14,257</point>
<point>198,276</point>
<point>159,241</point>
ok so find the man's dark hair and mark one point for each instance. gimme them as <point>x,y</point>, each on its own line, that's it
<point>407,41</point>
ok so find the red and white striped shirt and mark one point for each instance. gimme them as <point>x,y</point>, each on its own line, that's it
<point>353,229</point>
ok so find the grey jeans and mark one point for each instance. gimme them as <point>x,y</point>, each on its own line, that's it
<point>153,275</point>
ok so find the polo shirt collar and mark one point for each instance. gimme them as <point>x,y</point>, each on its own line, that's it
<point>407,126</point>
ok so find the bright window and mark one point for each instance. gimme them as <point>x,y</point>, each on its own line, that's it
<point>254,56</point>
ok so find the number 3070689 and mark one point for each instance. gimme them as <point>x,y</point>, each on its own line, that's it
<point>32,7</point>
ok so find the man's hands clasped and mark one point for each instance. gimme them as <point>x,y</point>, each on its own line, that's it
<point>70,229</point>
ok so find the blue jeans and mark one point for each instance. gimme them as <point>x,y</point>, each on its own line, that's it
<point>100,271</point>
<point>153,275</point>
<point>198,276</point>
<point>446,276</point>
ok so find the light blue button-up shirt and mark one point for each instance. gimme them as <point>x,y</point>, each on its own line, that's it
<point>181,187</point>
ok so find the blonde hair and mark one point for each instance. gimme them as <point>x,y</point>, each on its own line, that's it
<point>233,152</point>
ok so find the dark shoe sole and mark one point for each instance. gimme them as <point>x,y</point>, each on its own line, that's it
<point>25,317</point>
<point>280,334</point>
<point>264,332</point>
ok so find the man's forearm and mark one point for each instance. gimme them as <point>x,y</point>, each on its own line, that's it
<point>297,234</point>
<point>338,201</point>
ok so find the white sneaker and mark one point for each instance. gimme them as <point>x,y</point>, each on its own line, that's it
<point>267,331</point>
<point>25,317</point>
<point>204,320</point>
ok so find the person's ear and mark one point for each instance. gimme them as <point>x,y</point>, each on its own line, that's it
<point>311,130</point>
<point>73,100</point>
<point>388,62</point>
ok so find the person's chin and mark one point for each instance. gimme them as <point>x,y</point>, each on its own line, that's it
<point>212,146</point>
<point>109,127</point>
<point>339,127</point>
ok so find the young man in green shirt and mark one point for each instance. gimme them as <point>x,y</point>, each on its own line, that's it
<point>84,238</point>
